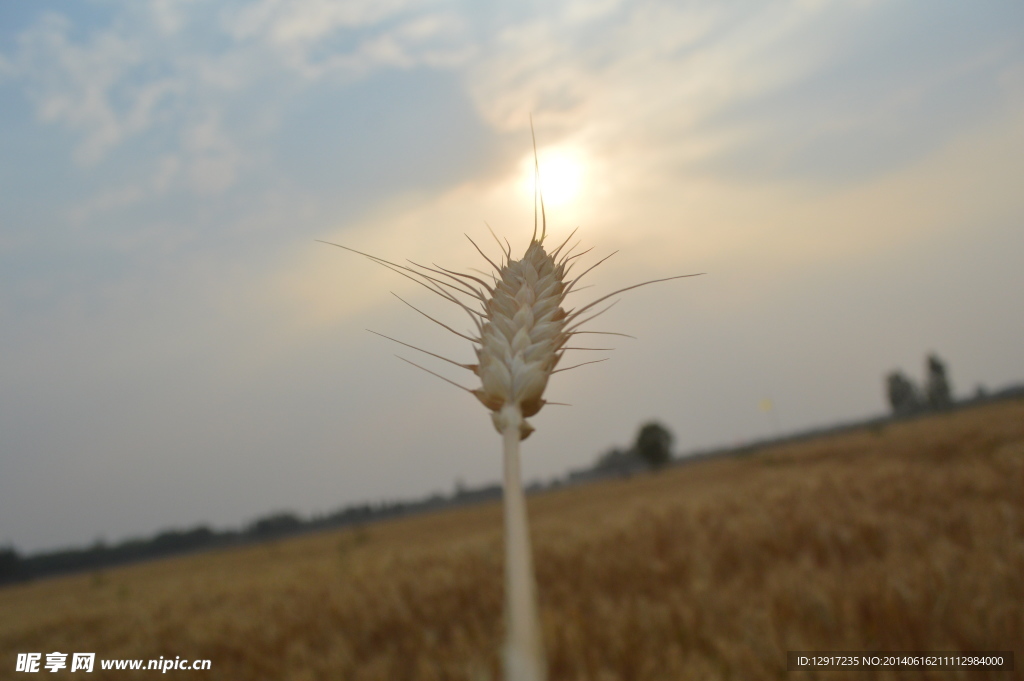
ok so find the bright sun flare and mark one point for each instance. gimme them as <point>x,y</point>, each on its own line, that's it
<point>561,175</point>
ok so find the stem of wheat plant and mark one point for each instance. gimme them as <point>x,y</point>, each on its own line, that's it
<point>522,331</point>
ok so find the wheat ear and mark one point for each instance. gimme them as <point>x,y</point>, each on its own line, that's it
<point>522,330</point>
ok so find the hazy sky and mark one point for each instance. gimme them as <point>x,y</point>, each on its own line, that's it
<point>175,348</point>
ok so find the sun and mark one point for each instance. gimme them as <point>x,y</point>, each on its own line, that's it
<point>562,171</point>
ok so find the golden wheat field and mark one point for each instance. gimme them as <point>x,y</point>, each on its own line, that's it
<point>906,537</point>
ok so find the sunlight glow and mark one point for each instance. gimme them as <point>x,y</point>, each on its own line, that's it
<point>562,171</point>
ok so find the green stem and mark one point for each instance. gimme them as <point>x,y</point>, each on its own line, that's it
<point>524,658</point>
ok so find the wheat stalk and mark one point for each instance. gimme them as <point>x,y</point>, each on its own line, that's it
<point>522,330</point>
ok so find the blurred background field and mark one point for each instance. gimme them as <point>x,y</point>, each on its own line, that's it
<point>905,536</point>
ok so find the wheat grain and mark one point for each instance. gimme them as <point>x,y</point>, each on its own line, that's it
<point>522,327</point>
<point>523,337</point>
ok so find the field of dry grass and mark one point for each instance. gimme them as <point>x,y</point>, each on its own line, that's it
<point>908,537</point>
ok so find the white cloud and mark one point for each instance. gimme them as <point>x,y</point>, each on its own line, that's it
<point>214,159</point>
<point>289,23</point>
<point>816,93</point>
<point>163,175</point>
<point>319,38</point>
<point>170,16</point>
<point>105,201</point>
<point>7,69</point>
<point>72,84</point>
<point>655,70</point>
<point>166,70</point>
<point>168,167</point>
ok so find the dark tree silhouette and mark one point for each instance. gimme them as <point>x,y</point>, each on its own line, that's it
<point>937,388</point>
<point>904,397</point>
<point>619,461</point>
<point>280,523</point>
<point>10,565</point>
<point>654,444</point>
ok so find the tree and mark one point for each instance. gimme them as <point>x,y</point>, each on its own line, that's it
<point>654,444</point>
<point>904,396</point>
<point>619,461</point>
<point>277,524</point>
<point>10,565</point>
<point>937,389</point>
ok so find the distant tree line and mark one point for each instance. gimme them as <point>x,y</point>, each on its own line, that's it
<point>651,450</point>
<point>15,567</point>
<point>906,398</point>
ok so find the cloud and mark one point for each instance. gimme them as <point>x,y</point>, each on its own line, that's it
<point>7,69</point>
<point>170,16</point>
<point>781,89</point>
<point>72,84</point>
<point>319,38</point>
<point>632,60</point>
<point>301,23</point>
<point>106,201</point>
<point>818,93</point>
<point>214,159</point>
<point>172,72</point>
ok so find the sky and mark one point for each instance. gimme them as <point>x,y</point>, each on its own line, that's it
<point>177,348</point>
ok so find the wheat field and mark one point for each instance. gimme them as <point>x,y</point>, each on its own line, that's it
<point>904,537</point>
